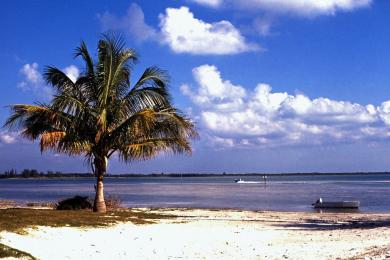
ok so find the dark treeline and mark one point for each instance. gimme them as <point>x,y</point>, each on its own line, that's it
<point>33,173</point>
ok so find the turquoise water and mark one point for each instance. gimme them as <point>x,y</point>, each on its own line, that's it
<point>286,193</point>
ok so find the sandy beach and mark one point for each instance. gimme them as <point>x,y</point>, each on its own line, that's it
<point>216,234</point>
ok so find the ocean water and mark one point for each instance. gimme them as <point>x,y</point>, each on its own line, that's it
<point>282,193</point>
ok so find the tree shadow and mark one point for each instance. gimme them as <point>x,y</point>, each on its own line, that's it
<point>326,224</point>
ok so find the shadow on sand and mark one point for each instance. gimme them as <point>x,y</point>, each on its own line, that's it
<point>334,224</point>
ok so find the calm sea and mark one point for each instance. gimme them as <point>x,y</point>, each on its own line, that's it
<point>285,193</point>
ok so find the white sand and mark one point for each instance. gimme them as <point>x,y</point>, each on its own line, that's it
<point>204,234</point>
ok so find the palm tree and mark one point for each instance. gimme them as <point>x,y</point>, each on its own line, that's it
<point>101,114</point>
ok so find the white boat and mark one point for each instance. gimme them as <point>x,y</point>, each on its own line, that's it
<point>242,181</point>
<point>336,204</point>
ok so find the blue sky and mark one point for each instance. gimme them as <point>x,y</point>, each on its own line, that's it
<point>273,85</point>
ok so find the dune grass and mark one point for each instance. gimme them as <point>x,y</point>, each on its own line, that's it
<point>17,220</point>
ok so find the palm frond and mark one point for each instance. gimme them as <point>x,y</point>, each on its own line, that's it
<point>150,91</point>
<point>143,150</point>
<point>153,77</point>
<point>87,89</point>
<point>137,123</point>
<point>121,77</point>
<point>148,126</point>
<point>51,139</point>
<point>82,51</point>
<point>113,62</point>
<point>145,98</point>
<point>172,119</point>
<point>58,79</point>
<point>23,115</point>
<point>71,146</point>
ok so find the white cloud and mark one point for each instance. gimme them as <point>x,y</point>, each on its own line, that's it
<point>8,137</point>
<point>275,8</point>
<point>263,25</point>
<point>30,71</point>
<point>297,7</point>
<point>305,7</point>
<point>221,142</point>
<point>32,81</point>
<point>181,31</point>
<point>72,72</point>
<point>186,34</point>
<point>212,3</point>
<point>133,23</point>
<point>233,115</point>
<point>212,89</point>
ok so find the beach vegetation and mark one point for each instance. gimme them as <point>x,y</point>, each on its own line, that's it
<point>75,203</point>
<point>20,219</point>
<point>113,202</point>
<point>102,114</point>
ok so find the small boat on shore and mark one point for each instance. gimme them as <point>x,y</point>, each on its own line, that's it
<point>336,204</point>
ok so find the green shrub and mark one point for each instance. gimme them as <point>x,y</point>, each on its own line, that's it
<point>75,203</point>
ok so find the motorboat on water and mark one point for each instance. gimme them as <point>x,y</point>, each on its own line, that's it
<point>242,181</point>
<point>336,204</point>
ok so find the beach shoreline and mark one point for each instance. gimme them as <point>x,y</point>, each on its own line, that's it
<point>216,234</point>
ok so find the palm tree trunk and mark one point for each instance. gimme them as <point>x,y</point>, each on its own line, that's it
<point>99,204</point>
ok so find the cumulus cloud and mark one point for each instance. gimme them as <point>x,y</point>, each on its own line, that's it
<point>72,72</point>
<point>235,116</point>
<point>186,34</point>
<point>30,71</point>
<point>133,23</point>
<point>296,7</point>
<point>8,137</point>
<point>181,31</point>
<point>32,80</point>
<point>213,90</point>
<point>221,142</point>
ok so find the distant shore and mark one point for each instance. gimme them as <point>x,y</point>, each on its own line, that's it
<point>215,234</point>
<point>36,174</point>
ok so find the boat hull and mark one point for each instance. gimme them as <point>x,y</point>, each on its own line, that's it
<point>338,204</point>
<point>248,182</point>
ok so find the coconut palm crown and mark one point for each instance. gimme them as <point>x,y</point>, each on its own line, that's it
<point>101,113</point>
